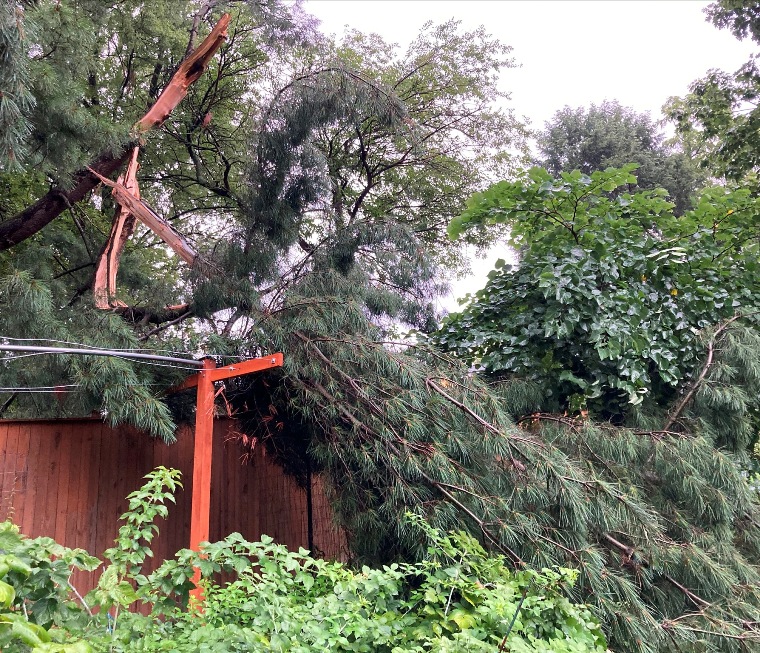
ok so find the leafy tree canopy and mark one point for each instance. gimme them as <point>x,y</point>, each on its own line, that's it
<point>610,136</point>
<point>613,297</point>
<point>292,158</point>
<point>314,178</point>
<point>719,118</point>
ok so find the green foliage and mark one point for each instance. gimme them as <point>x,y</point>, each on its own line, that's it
<point>392,428</point>
<point>16,100</point>
<point>291,159</point>
<point>391,144</point>
<point>613,299</point>
<point>135,536</point>
<point>363,158</point>
<point>611,136</point>
<point>719,118</point>
<point>121,391</point>
<point>459,598</point>
<point>742,17</point>
<point>35,593</point>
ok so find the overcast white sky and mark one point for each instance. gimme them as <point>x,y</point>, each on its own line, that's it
<point>572,52</point>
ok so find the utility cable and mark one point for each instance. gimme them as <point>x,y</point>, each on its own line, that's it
<point>89,352</point>
<point>134,349</point>
<point>113,353</point>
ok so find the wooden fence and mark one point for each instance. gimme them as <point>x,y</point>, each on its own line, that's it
<point>68,479</point>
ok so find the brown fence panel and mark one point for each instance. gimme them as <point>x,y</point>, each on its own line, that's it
<point>68,479</point>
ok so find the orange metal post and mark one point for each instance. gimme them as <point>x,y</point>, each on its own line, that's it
<point>204,430</point>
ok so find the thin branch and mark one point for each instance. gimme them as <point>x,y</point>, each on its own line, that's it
<point>631,552</point>
<point>199,16</point>
<point>8,403</point>
<point>166,325</point>
<point>705,369</point>
<point>484,423</point>
<point>697,600</point>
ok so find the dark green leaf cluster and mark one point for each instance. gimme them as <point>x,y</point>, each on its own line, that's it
<point>611,298</point>
<point>36,597</point>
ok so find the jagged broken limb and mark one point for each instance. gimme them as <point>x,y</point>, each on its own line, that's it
<point>37,216</point>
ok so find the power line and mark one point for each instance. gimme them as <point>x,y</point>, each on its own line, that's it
<point>114,353</point>
<point>36,390</point>
<point>135,349</point>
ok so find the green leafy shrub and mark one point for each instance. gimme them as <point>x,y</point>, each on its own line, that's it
<point>613,297</point>
<point>459,598</point>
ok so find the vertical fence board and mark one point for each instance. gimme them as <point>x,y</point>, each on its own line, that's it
<point>63,460</point>
<point>93,489</point>
<point>21,485</point>
<point>107,497</point>
<point>87,443</point>
<point>8,474</point>
<point>45,504</point>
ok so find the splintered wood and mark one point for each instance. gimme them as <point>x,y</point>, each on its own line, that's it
<point>162,228</point>
<point>188,72</point>
<point>104,285</point>
<point>126,191</point>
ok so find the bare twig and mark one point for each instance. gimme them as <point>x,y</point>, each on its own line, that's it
<point>166,325</point>
<point>705,369</point>
<point>468,411</point>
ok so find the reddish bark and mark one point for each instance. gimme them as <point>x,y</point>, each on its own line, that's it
<point>50,206</point>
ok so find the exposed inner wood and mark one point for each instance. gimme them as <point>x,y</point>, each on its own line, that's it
<point>151,219</point>
<point>107,267</point>
<point>38,215</point>
<point>188,72</point>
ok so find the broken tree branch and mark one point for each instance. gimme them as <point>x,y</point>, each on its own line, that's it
<point>705,369</point>
<point>187,73</point>
<point>166,325</point>
<point>37,216</point>
<point>104,280</point>
<point>151,219</point>
<point>630,553</point>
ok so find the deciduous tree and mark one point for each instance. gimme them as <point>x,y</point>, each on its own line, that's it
<point>610,136</point>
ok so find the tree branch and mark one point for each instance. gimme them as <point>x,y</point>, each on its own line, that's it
<point>166,325</point>
<point>52,204</point>
<point>705,369</point>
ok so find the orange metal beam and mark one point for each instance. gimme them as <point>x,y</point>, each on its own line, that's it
<point>246,367</point>
<point>228,371</point>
